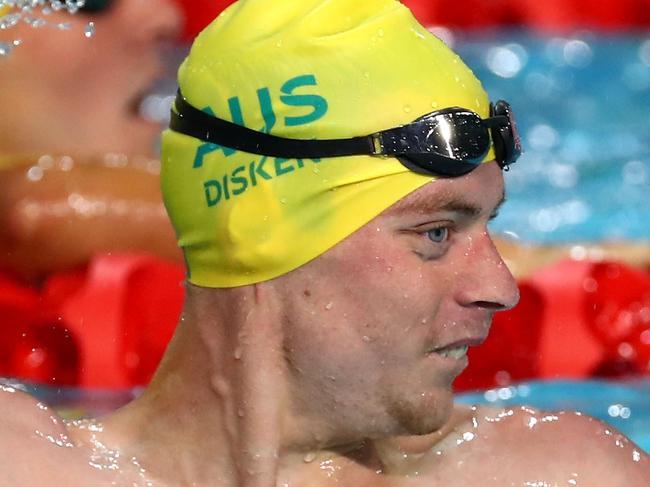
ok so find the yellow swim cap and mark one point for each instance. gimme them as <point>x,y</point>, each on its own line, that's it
<point>308,69</point>
<point>4,10</point>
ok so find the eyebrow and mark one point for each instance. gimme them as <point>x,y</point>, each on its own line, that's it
<point>424,205</point>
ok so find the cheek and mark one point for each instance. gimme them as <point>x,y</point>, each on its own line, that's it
<point>402,284</point>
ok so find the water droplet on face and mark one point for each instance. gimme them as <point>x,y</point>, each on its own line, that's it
<point>238,353</point>
<point>329,306</point>
<point>309,457</point>
<point>89,31</point>
<point>34,23</point>
<point>366,338</point>
<point>35,173</point>
<point>9,21</point>
<point>7,47</point>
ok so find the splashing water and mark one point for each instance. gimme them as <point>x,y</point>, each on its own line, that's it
<point>34,13</point>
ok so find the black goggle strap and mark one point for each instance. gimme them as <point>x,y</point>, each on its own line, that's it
<point>191,121</point>
<point>196,123</point>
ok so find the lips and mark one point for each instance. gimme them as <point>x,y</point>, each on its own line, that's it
<point>457,349</point>
<point>454,352</point>
<point>466,342</point>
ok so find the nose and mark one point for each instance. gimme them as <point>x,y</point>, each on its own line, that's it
<point>485,280</point>
<point>153,20</point>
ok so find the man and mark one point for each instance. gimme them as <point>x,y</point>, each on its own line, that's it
<point>338,270</point>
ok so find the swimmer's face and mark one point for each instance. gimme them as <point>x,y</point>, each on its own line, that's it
<point>369,322</point>
<point>62,92</point>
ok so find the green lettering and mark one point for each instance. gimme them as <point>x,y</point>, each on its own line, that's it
<point>240,180</point>
<point>235,111</point>
<point>260,169</point>
<point>225,188</point>
<point>264,98</point>
<point>212,190</point>
<point>279,170</point>
<point>251,171</point>
<point>316,102</point>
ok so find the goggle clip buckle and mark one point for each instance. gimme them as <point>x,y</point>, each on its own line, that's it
<point>377,145</point>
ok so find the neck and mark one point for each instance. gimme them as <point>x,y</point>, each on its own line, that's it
<point>219,402</point>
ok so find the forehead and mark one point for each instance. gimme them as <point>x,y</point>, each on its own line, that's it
<point>480,191</point>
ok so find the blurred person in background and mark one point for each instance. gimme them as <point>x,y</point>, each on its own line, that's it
<point>64,93</point>
<point>77,158</point>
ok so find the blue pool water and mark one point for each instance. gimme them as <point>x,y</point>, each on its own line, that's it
<point>583,105</point>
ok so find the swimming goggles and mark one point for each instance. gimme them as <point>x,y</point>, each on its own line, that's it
<point>449,142</point>
<point>95,6</point>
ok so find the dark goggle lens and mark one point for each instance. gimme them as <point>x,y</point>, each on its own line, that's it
<point>95,6</point>
<point>449,143</point>
<point>459,135</point>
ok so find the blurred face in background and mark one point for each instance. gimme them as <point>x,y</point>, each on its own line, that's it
<point>62,92</point>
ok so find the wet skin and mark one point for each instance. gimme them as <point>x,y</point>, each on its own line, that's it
<point>334,374</point>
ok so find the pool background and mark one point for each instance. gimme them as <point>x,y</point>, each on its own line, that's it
<point>583,105</point>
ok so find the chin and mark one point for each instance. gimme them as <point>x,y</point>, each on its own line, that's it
<point>424,416</point>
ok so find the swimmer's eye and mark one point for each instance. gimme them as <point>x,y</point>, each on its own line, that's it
<point>438,235</point>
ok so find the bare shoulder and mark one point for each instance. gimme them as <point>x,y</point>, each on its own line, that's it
<point>33,440</point>
<point>21,414</point>
<point>567,447</point>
